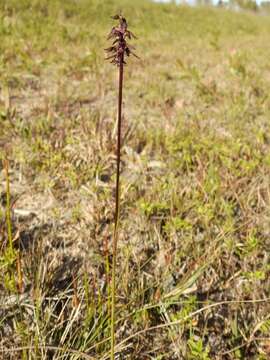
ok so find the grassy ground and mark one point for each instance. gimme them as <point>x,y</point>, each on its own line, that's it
<point>193,265</point>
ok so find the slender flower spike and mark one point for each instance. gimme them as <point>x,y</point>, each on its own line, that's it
<point>120,47</point>
<point>116,53</point>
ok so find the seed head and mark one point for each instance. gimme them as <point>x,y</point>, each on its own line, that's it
<point>120,47</point>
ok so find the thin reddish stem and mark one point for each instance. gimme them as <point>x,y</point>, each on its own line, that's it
<point>117,203</point>
<point>118,154</point>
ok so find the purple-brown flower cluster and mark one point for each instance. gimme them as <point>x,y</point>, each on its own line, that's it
<point>120,47</point>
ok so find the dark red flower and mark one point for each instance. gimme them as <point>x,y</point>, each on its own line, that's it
<point>120,47</point>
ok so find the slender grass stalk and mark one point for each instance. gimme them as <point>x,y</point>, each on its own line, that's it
<point>8,207</point>
<point>117,51</point>
<point>19,273</point>
<point>11,254</point>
